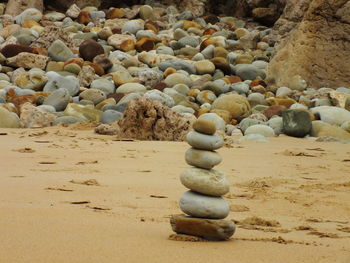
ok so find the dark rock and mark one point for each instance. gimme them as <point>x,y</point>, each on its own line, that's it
<point>12,50</point>
<point>89,49</point>
<point>296,123</point>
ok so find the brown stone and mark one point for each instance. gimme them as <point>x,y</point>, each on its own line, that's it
<point>98,68</point>
<point>90,49</point>
<point>146,119</point>
<point>115,13</point>
<point>12,50</point>
<point>145,44</point>
<point>287,102</point>
<point>222,64</point>
<point>206,228</point>
<point>103,61</point>
<point>84,17</point>
<point>116,96</point>
<point>204,126</point>
<point>274,110</point>
<point>209,31</point>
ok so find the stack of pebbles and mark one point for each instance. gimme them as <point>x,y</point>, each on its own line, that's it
<point>204,204</point>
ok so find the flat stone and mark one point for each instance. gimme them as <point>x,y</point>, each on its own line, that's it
<point>203,206</point>
<point>131,88</point>
<point>204,142</point>
<point>208,182</point>
<point>202,159</point>
<point>204,126</point>
<point>177,78</point>
<point>206,228</point>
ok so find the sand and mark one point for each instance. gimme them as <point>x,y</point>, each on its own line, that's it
<point>69,195</point>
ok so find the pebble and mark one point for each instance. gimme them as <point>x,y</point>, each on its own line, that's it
<point>203,206</point>
<point>177,78</point>
<point>59,51</point>
<point>237,105</point>
<point>94,95</point>
<point>163,98</point>
<point>216,230</point>
<point>205,126</point>
<point>213,118</point>
<point>130,88</point>
<point>202,158</point>
<point>260,129</point>
<point>58,99</point>
<point>56,81</point>
<point>110,116</point>
<point>208,182</point>
<point>296,123</point>
<point>204,142</point>
<point>8,119</point>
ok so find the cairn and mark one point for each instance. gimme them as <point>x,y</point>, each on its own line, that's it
<point>203,203</point>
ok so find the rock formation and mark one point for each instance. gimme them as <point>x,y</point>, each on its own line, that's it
<point>318,49</point>
<point>146,119</point>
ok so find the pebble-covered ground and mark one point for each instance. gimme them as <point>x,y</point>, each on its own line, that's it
<point>86,65</point>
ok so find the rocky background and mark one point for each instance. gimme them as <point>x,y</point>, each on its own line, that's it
<point>312,36</point>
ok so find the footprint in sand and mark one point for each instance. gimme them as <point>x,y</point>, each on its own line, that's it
<point>90,182</point>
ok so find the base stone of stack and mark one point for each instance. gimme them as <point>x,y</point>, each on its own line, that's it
<point>210,229</point>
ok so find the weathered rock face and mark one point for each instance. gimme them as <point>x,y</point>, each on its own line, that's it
<point>145,119</point>
<point>319,48</point>
<point>15,7</point>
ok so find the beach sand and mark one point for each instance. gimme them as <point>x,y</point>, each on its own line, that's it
<point>70,195</point>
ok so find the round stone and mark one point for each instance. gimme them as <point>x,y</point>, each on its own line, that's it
<point>261,129</point>
<point>89,49</point>
<point>214,118</point>
<point>209,182</point>
<point>202,159</point>
<point>204,126</point>
<point>249,72</point>
<point>177,78</point>
<point>296,123</point>
<point>237,105</point>
<point>94,95</point>
<point>203,141</point>
<point>204,67</point>
<point>203,206</point>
